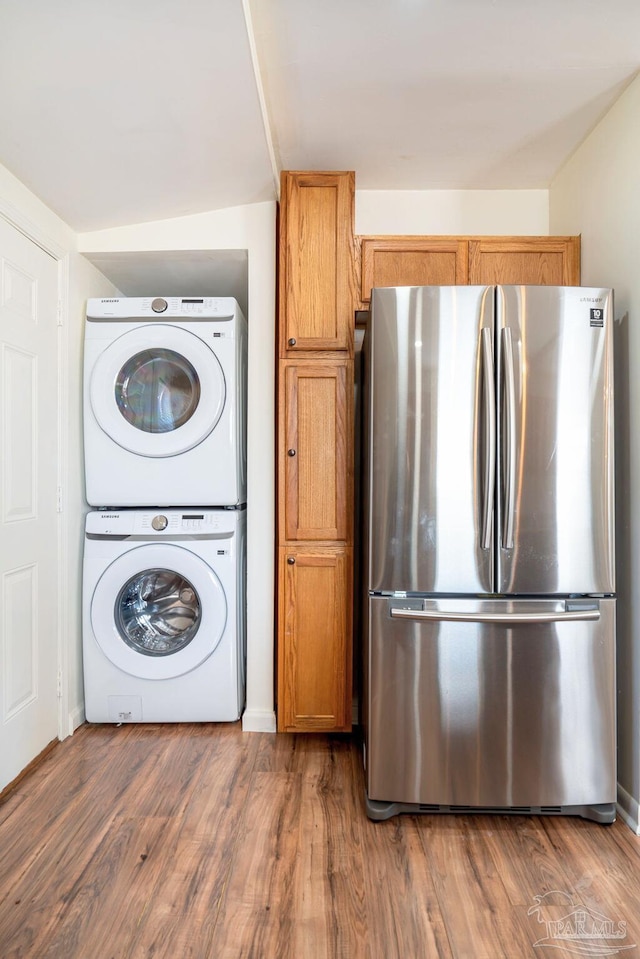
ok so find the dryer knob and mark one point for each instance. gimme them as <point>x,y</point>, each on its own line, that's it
<point>159,522</point>
<point>159,305</point>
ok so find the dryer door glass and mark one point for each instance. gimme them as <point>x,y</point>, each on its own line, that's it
<point>158,612</point>
<point>157,390</point>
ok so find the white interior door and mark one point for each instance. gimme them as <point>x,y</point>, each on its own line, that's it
<point>28,494</point>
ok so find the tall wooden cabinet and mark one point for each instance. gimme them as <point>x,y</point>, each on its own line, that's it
<point>315,451</point>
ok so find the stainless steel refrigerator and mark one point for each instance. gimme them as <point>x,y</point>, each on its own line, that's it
<point>488,558</point>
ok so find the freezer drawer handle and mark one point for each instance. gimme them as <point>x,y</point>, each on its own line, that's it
<point>449,616</point>
<point>489,437</point>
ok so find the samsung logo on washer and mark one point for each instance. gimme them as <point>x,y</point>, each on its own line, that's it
<point>109,515</point>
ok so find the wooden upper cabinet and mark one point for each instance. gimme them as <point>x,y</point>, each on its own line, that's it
<point>412,261</point>
<point>316,478</point>
<point>316,262</point>
<point>450,261</point>
<point>539,260</point>
<point>314,647</point>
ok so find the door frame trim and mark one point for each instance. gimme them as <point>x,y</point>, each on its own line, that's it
<point>39,236</point>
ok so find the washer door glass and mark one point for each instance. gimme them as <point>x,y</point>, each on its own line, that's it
<point>157,391</point>
<point>158,612</point>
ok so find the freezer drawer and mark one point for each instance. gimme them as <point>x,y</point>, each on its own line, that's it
<point>507,712</point>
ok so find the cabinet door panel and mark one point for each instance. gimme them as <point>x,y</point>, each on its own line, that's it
<point>316,262</point>
<point>539,260</point>
<point>317,475</point>
<point>412,261</point>
<point>314,654</point>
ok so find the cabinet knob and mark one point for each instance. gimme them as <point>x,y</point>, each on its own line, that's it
<point>291,452</point>
<point>292,341</point>
<point>291,560</point>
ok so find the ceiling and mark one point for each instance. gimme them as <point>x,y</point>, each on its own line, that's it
<point>123,111</point>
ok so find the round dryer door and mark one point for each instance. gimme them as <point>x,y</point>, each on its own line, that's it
<point>158,390</point>
<point>158,611</point>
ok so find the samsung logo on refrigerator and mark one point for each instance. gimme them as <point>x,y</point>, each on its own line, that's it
<point>596,315</point>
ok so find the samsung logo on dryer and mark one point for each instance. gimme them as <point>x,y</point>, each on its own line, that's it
<point>583,299</point>
<point>109,301</point>
<point>109,515</point>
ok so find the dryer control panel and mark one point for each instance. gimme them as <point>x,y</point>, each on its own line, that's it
<point>162,308</point>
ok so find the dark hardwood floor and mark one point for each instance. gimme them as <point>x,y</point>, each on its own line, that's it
<point>200,841</point>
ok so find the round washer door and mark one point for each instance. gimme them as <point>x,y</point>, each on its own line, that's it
<point>157,390</point>
<point>158,611</point>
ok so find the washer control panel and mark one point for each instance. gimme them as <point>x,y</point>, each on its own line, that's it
<point>170,522</point>
<point>175,521</point>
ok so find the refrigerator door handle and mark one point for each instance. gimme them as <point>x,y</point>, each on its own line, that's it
<point>509,444</point>
<point>489,437</point>
<point>451,616</point>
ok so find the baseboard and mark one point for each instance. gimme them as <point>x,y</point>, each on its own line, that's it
<point>76,718</point>
<point>258,721</point>
<point>628,810</point>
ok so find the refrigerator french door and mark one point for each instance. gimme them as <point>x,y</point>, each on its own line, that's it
<point>489,556</point>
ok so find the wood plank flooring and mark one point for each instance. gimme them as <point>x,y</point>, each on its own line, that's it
<point>201,842</point>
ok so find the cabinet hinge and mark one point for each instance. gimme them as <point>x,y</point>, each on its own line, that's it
<point>59,684</point>
<point>59,499</point>
<point>59,313</point>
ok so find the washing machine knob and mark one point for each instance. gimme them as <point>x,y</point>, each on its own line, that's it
<point>159,305</point>
<point>159,522</point>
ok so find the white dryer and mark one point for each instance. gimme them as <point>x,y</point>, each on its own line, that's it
<point>164,615</point>
<point>165,402</point>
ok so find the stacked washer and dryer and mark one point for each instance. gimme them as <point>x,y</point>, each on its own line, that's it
<point>165,547</point>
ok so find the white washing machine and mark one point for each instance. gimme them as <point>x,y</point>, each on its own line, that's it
<point>165,402</point>
<point>164,615</point>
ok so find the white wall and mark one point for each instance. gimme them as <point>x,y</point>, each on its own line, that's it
<point>84,281</point>
<point>453,212</point>
<point>249,228</point>
<point>597,194</point>
<point>22,206</point>
<point>76,281</point>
